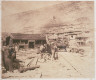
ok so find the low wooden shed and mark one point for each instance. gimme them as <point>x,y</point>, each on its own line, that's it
<point>28,40</point>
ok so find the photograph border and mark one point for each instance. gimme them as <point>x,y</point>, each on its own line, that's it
<point>54,78</point>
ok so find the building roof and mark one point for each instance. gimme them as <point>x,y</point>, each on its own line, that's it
<point>28,36</point>
<point>63,32</point>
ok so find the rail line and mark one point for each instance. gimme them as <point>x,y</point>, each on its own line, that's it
<point>70,64</point>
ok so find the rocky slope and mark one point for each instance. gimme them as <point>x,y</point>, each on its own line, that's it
<point>65,16</point>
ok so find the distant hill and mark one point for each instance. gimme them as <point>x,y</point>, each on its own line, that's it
<point>72,15</point>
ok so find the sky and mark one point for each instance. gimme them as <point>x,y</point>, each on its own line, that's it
<point>12,7</point>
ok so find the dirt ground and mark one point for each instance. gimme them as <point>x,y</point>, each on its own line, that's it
<point>68,65</point>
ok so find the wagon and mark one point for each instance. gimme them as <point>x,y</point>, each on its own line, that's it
<point>75,49</point>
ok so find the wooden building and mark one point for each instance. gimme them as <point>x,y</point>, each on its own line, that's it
<point>28,40</point>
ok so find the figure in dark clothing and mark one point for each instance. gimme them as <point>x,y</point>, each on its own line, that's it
<point>12,53</point>
<point>8,55</point>
<point>7,62</point>
<point>48,49</point>
<point>54,51</point>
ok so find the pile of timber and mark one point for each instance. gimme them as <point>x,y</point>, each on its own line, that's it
<point>30,63</point>
<point>21,70</point>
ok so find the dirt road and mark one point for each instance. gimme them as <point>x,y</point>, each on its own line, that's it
<point>69,65</point>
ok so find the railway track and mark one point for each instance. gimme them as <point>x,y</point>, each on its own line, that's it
<point>71,65</point>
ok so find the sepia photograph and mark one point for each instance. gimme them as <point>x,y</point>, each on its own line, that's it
<point>47,39</point>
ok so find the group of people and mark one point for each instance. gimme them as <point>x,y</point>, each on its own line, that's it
<point>51,49</point>
<point>8,57</point>
<point>8,54</point>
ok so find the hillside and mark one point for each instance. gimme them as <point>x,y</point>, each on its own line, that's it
<point>64,16</point>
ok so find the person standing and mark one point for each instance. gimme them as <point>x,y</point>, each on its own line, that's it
<point>16,47</point>
<point>54,51</point>
<point>41,50</point>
